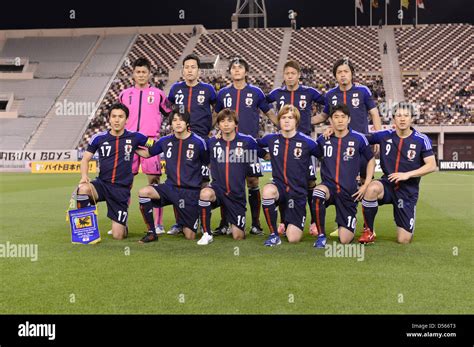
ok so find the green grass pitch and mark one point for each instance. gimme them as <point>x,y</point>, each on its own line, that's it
<point>432,275</point>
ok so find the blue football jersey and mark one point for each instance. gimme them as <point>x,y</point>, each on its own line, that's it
<point>183,158</point>
<point>341,158</point>
<point>231,161</point>
<point>358,99</point>
<point>402,154</point>
<point>197,101</point>
<point>116,155</point>
<point>290,158</point>
<point>302,98</point>
<point>247,103</point>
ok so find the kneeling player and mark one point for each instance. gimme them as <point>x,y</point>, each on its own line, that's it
<point>116,149</point>
<point>233,157</point>
<point>340,164</point>
<point>185,153</point>
<point>405,156</point>
<point>290,154</point>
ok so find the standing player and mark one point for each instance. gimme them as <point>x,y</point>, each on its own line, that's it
<point>342,154</point>
<point>185,153</point>
<point>247,101</point>
<point>359,100</point>
<point>197,98</point>
<point>233,157</point>
<point>290,153</point>
<point>405,156</point>
<point>302,97</point>
<point>146,104</point>
<point>194,96</point>
<point>116,148</point>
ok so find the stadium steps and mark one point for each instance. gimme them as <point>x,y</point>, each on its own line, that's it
<point>43,133</point>
<point>86,87</point>
<point>392,80</point>
<point>285,48</point>
<point>124,47</point>
<point>190,46</point>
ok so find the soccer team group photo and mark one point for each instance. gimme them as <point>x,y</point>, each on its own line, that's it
<point>239,158</point>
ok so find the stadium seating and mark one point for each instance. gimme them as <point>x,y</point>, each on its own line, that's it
<point>435,47</point>
<point>435,61</point>
<point>163,50</point>
<point>244,43</point>
<point>49,49</point>
<point>320,47</point>
<point>55,59</point>
<point>15,132</point>
<point>440,98</point>
<point>439,60</point>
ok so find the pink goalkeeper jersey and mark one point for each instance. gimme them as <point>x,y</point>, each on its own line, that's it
<point>144,105</point>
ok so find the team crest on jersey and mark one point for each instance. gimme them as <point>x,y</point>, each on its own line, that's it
<point>355,102</point>
<point>248,101</point>
<point>350,151</point>
<point>303,104</point>
<point>190,154</point>
<point>411,154</point>
<point>150,99</point>
<point>128,151</point>
<point>239,151</point>
<point>201,99</point>
<point>297,152</point>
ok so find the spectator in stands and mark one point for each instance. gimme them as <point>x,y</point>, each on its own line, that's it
<point>292,17</point>
<point>385,48</point>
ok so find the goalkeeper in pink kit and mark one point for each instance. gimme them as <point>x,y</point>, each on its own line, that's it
<point>146,105</point>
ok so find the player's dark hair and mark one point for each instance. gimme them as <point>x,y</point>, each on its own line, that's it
<point>227,113</point>
<point>192,57</point>
<point>142,62</point>
<point>294,64</point>
<point>340,107</point>
<point>181,112</point>
<point>240,61</point>
<point>405,106</point>
<point>118,106</point>
<point>344,61</point>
